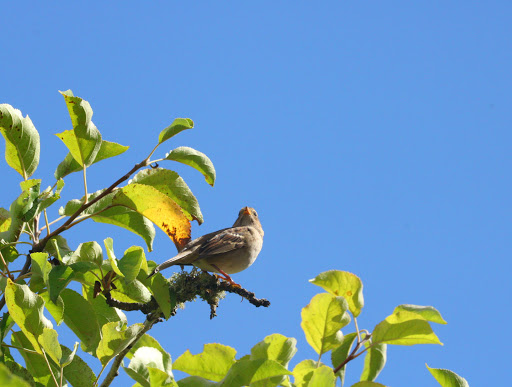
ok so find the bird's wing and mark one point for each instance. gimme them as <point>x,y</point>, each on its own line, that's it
<point>227,240</point>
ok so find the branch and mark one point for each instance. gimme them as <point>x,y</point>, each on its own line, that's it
<point>114,369</point>
<point>186,287</point>
<point>41,245</point>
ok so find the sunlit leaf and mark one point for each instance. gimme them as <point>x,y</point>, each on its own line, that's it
<point>34,362</point>
<point>322,320</point>
<point>194,159</point>
<point>78,373</point>
<point>159,286</point>
<point>303,372</point>
<point>345,284</point>
<point>404,328</point>
<point>178,125</point>
<point>145,358</point>
<point>322,377</point>
<point>340,354</point>
<point>22,145</point>
<point>79,316</point>
<point>374,361</point>
<point>257,373</point>
<point>158,208</point>
<point>115,338</point>
<point>26,309</point>
<point>84,140</point>
<point>69,164</point>
<point>447,378</point>
<point>50,343</point>
<point>7,379</point>
<point>429,313</point>
<point>171,184</point>
<point>213,363</point>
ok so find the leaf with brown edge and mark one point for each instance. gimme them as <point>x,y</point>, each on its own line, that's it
<point>158,208</point>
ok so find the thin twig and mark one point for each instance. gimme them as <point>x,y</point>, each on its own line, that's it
<point>41,245</point>
<point>46,221</point>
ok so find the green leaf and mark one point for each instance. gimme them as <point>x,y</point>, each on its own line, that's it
<point>275,347</point>
<point>404,328</point>
<point>5,220</point>
<point>147,357</point>
<point>116,215</point>
<point>58,247</point>
<point>340,354</point>
<point>278,348</point>
<point>303,372</point>
<point>58,279</point>
<point>171,184</point>
<point>7,379</point>
<point>56,309</point>
<point>213,363</point>
<point>68,357</point>
<point>22,146</point>
<point>131,263</point>
<point>159,286</point>
<point>79,316</point>
<point>178,125</point>
<point>84,140</point>
<point>40,265</point>
<point>12,374</point>
<point>21,208</point>
<point>368,384</point>
<point>77,373</point>
<point>69,164</point>
<point>26,309</point>
<point>33,187</point>
<point>109,246</point>
<point>322,377</point>
<point>149,341</point>
<point>447,378</point>
<point>104,312</point>
<point>257,373</point>
<point>196,381</point>
<point>322,320</point>
<point>6,323</point>
<point>87,252</point>
<point>133,292</point>
<point>374,362</point>
<point>194,159</point>
<point>35,363</point>
<point>429,313</point>
<point>115,338</point>
<point>48,197</point>
<point>50,343</point>
<point>158,208</point>
<point>345,284</point>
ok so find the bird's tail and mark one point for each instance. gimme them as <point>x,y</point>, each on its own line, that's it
<point>176,260</point>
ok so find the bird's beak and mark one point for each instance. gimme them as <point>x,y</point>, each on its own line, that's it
<point>247,211</point>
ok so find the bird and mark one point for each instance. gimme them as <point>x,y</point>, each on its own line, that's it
<point>227,251</point>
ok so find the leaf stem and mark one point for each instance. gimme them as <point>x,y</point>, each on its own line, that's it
<point>49,367</point>
<point>85,183</point>
<point>5,265</point>
<point>21,349</point>
<point>46,221</point>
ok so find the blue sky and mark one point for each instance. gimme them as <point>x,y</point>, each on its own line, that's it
<point>371,137</point>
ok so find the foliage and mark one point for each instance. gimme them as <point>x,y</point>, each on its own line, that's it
<point>111,285</point>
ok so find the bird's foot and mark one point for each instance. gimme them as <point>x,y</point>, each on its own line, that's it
<point>225,277</point>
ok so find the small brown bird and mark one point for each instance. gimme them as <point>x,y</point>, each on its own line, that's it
<point>226,251</point>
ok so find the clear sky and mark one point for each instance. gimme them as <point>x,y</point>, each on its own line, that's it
<point>372,137</point>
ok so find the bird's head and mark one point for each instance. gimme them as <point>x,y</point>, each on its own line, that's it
<point>248,217</point>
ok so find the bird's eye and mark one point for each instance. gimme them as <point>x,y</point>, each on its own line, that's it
<point>255,213</point>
